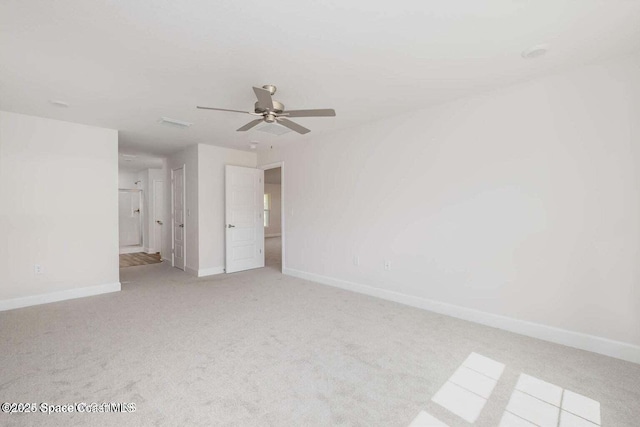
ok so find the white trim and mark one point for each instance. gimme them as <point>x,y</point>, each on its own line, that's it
<point>282,205</point>
<point>151,250</point>
<point>210,271</point>
<point>10,304</point>
<point>204,271</point>
<point>617,349</point>
<point>273,235</point>
<point>153,217</point>
<point>173,223</point>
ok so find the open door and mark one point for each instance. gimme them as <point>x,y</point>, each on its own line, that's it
<point>178,231</point>
<point>244,207</point>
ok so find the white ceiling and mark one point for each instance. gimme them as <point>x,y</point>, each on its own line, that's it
<point>125,63</point>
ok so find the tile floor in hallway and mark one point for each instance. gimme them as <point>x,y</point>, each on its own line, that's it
<point>139,258</point>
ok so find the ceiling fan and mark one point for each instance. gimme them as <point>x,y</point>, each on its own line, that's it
<point>271,111</point>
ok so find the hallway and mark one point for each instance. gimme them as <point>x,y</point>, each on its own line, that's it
<point>273,252</point>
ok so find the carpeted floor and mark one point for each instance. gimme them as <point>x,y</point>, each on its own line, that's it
<point>258,348</point>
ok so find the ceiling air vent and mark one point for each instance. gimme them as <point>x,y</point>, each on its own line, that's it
<point>175,123</point>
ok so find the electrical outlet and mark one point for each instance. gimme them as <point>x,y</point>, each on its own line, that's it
<point>356,260</point>
<point>387,265</point>
<point>37,269</point>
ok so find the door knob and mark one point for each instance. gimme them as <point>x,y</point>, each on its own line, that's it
<point>181,226</point>
<point>159,222</point>
<point>137,211</point>
<point>231,226</point>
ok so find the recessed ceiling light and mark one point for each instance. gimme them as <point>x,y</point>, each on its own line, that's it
<point>174,122</point>
<point>535,51</point>
<point>59,103</point>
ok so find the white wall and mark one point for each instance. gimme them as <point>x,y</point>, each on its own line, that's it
<point>523,203</point>
<point>211,163</point>
<point>127,180</point>
<point>275,226</point>
<point>58,186</point>
<point>205,203</point>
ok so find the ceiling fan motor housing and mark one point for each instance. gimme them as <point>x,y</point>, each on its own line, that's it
<point>278,107</point>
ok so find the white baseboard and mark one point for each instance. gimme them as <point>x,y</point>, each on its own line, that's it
<point>617,349</point>
<point>210,271</point>
<point>10,304</point>
<point>151,250</point>
<point>204,271</point>
<point>273,235</point>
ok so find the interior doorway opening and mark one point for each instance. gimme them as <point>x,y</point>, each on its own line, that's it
<point>130,220</point>
<point>273,216</point>
<point>141,208</point>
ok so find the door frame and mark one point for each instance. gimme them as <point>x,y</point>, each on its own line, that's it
<point>282,211</point>
<point>140,221</point>
<point>184,206</point>
<point>157,245</point>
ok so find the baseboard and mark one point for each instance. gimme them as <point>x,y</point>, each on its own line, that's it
<point>151,250</point>
<point>210,271</point>
<point>605,346</point>
<point>10,304</point>
<point>273,235</point>
<point>204,271</point>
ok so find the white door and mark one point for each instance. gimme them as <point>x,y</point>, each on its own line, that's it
<point>244,204</point>
<point>177,179</point>
<point>130,227</point>
<point>158,214</point>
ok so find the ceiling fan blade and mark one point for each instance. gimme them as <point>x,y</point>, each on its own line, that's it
<point>223,109</point>
<point>293,125</point>
<point>249,125</point>
<point>264,98</point>
<point>325,112</point>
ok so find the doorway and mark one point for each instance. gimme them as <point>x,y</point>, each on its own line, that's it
<point>178,231</point>
<point>130,220</point>
<point>273,215</point>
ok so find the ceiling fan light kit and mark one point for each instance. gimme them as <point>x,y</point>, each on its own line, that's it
<point>272,128</point>
<point>273,114</point>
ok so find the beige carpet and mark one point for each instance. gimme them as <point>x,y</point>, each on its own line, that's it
<point>261,349</point>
